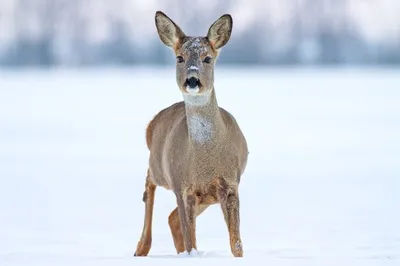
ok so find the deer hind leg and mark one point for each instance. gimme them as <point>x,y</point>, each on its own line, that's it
<point>176,229</point>
<point>230,207</point>
<point>144,245</point>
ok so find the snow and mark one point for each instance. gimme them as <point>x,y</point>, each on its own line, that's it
<point>321,186</point>
<point>194,45</point>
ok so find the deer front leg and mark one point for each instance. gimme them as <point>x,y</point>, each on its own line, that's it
<point>230,208</point>
<point>144,245</point>
<point>186,209</point>
<point>176,230</point>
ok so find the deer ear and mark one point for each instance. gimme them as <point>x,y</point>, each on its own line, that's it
<point>220,31</point>
<point>168,31</point>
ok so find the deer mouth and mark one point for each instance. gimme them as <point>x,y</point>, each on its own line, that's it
<point>192,85</point>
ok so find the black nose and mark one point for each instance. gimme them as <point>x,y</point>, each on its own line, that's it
<point>193,82</point>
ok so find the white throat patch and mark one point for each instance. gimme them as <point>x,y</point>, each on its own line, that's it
<point>200,129</point>
<point>197,99</point>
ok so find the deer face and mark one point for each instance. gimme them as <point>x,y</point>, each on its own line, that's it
<point>195,65</point>
<point>195,56</point>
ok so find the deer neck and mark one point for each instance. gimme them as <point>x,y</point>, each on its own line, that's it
<point>204,120</point>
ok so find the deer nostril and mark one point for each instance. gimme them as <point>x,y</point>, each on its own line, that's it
<point>193,82</point>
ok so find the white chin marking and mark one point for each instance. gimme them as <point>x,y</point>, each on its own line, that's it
<point>192,90</point>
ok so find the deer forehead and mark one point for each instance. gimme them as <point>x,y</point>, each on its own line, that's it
<point>195,46</point>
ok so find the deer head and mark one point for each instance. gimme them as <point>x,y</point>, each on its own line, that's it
<point>195,56</point>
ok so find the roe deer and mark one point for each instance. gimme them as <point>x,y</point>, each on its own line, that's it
<point>197,149</point>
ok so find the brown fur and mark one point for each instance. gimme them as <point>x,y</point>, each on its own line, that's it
<point>143,247</point>
<point>196,150</point>
<point>175,226</point>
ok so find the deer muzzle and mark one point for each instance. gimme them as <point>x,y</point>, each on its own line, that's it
<point>192,83</point>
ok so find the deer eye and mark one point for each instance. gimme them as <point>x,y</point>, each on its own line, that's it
<point>180,59</point>
<point>207,59</point>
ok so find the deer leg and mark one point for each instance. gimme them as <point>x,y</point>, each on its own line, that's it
<point>176,230</point>
<point>144,245</point>
<point>186,210</point>
<point>175,226</point>
<point>230,208</point>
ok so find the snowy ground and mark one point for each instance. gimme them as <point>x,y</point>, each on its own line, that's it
<point>321,187</point>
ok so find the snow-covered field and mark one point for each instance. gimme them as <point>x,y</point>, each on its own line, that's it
<point>322,185</point>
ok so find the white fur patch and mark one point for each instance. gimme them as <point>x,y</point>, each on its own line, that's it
<point>196,99</point>
<point>200,129</point>
<point>193,68</point>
